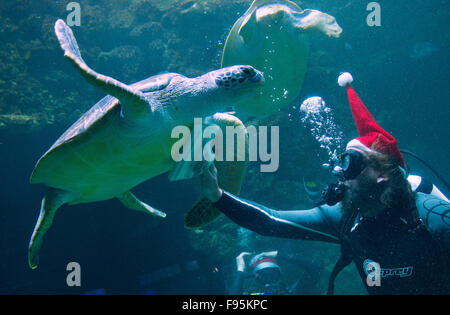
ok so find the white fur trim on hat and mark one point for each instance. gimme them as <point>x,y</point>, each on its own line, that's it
<point>266,264</point>
<point>356,145</point>
<point>345,79</point>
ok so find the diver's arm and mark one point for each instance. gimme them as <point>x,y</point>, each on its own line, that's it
<point>319,224</point>
<point>237,285</point>
<point>238,280</point>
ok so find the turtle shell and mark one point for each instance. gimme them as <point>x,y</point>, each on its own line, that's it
<point>277,51</point>
<point>102,110</point>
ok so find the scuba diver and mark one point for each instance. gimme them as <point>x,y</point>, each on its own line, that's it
<point>399,239</point>
<point>265,270</point>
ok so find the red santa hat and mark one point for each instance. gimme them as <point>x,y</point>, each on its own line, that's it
<point>263,262</point>
<point>372,138</point>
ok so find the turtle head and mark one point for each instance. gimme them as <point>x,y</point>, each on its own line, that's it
<point>233,85</point>
<point>237,78</point>
<point>215,91</point>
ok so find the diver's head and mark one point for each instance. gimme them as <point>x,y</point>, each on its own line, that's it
<point>265,269</point>
<point>363,184</point>
<point>372,138</point>
<point>350,165</point>
<point>374,182</point>
<point>372,161</point>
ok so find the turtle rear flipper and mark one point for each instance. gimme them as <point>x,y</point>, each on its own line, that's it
<point>51,202</point>
<point>203,212</point>
<point>134,103</point>
<point>230,174</point>
<point>188,169</point>
<point>130,201</point>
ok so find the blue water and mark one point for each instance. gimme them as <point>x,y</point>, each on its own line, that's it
<point>400,69</point>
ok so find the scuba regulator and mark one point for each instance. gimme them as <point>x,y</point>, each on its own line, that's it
<point>332,194</point>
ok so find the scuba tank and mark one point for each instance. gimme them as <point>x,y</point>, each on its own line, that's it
<point>420,184</point>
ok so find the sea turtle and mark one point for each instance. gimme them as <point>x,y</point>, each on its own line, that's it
<point>272,37</point>
<point>125,138</point>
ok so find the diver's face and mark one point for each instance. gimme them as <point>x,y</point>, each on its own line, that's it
<point>268,276</point>
<point>363,192</point>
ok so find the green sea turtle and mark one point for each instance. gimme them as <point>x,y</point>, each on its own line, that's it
<point>272,37</point>
<point>125,138</point>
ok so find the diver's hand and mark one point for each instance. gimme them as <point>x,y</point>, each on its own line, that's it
<point>240,263</point>
<point>208,179</point>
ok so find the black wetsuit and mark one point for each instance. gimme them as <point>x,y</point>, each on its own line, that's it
<point>411,262</point>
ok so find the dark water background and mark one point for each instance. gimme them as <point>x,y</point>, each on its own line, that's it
<point>401,72</point>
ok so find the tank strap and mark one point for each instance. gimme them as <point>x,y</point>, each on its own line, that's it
<point>344,261</point>
<point>346,253</point>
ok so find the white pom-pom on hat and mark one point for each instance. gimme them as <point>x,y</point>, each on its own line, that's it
<point>345,79</point>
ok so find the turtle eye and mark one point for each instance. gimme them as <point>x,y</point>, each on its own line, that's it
<point>250,72</point>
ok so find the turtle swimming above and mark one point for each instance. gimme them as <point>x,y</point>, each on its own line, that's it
<point>272,36</point>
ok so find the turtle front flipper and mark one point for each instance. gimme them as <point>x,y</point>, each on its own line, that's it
<point>50,203</point>
<point>130,201</point>
<point>230,172</point>
<point>133,102</point>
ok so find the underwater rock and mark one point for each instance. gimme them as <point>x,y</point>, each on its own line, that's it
<point>129,58</point>
<point>147,30</point>
<point>191,9</point>
<point>22,123</point>
<point>152,38</point>
<point>157,47</point>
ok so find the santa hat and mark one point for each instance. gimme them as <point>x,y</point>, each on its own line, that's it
<point>263,262</point>
<point>372,138</point>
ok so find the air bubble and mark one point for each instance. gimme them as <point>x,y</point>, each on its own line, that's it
<point>319,119</point>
